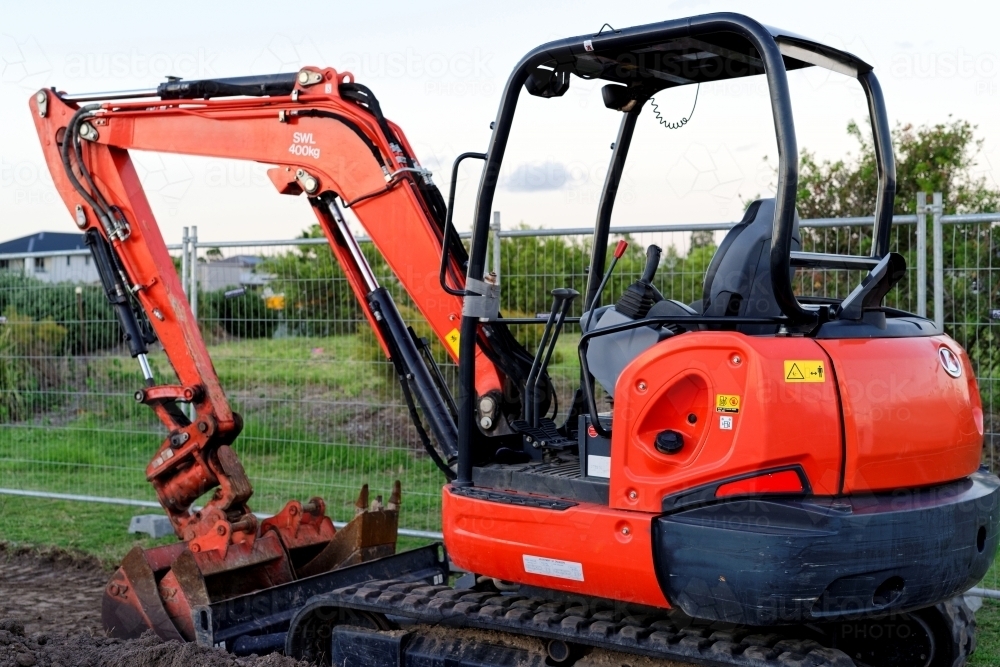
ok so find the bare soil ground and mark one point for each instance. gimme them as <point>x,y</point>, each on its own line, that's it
<point>50,616</point>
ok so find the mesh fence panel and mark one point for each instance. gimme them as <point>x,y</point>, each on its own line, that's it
<point>322,407</point>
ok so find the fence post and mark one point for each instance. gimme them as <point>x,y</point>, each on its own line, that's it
<point>193,294</point>
<point>922,254</point>
<point>495,228</point>
<point>937,209</point>
<point>184,261</point>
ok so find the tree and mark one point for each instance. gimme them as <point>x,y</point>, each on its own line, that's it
<point>318,298</point>
<point>930,158</point>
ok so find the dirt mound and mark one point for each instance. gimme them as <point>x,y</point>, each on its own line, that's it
<point>84,650</point>
<point>50,616</point>
<point>51,590</point>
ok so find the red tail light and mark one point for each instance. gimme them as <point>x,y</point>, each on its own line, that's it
<point>785,481</point>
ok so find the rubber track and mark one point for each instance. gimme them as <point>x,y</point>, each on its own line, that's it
<point>960,622</point>
<point>654,636</point>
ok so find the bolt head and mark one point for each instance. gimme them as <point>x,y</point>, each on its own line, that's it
<point>303,77</point>
<point>40,96</point>
<point>641,386</point>
<point>632,495</point>
<point>737,360</point>
<point>486,423</point>
<point>626,530</point>
<point>221,530</point>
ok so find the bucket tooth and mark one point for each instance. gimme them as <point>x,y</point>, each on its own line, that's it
<point>361,505</point>
<point>397,496</point>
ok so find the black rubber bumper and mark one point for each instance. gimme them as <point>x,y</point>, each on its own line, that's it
<point>765,562</point>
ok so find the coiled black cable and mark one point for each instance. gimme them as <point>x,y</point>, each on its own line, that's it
<point>680,123</point>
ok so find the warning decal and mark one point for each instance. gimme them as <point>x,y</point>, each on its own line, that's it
<point>453,338</point>
<point>798,370</point>
<point>727,403</point>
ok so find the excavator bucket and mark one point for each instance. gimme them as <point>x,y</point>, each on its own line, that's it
<point>158,589</point>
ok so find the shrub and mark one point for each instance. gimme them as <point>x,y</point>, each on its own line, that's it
<point>242,316</point>
<point>32,371</point>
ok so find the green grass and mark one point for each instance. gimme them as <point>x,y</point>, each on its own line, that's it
<point>93,528</point>
<point>317,421</point>
<point>96,529</point>
<point>987,635</point>
<point>90,458</point>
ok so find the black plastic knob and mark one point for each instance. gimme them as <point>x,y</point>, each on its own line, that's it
<point>669,442</point>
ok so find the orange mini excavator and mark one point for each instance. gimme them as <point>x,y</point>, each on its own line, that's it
<point>755,495</point>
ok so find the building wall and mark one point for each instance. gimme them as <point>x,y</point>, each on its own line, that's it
<point>76,268</point>
<point>214,276</point>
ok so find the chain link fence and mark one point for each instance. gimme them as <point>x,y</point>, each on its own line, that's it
<point>321,405</point>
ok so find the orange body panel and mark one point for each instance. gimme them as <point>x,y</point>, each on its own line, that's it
<point>613,549</point>
<point>778,423</point>
<point>741,410</point>
<point>907,422</point>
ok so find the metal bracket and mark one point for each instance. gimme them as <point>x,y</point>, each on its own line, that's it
<point>308,77</point>
<point>201,617</point>
<point>88,132</point>
<point>309,183</point>
<point>482,299</point>
<point>42,99</point>
<point>872,290</point>
<point>425,173</point>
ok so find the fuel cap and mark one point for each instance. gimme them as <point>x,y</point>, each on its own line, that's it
<point>669,442</point>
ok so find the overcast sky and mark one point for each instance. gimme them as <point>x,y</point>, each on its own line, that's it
<point>438,69</point>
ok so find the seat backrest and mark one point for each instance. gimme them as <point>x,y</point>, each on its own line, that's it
<point>738,280</point>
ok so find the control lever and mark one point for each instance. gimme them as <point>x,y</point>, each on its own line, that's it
<point>640,296</point>
<point>591,307</point>
<point>562,299</point>
<point>653,253</point>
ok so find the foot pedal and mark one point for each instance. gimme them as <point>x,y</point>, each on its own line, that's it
<point>544,436</point>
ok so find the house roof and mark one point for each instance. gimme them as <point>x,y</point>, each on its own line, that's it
<point>43,242</point>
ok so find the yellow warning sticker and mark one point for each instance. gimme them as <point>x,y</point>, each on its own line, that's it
<point>453,338</point>
<point>799,370</point>
<point>727,403</point>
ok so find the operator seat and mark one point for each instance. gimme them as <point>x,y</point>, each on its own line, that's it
<point>738,280</point>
